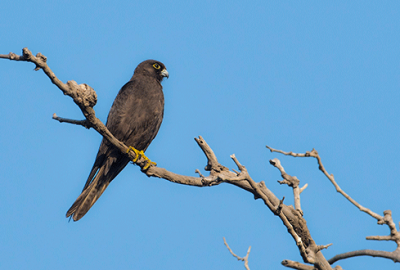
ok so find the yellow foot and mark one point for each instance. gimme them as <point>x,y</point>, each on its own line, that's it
<point>141,154</point>
<point>137,153</point>
<point>148,162</point>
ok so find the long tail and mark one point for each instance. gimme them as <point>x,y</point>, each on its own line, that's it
<point>89,196</point>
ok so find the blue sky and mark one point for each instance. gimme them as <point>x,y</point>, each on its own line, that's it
<point>291,75</point>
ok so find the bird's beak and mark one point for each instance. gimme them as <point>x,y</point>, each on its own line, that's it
<point>165,73</point>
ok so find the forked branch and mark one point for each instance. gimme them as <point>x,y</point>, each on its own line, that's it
<point>245,259</point>
<point>386,219</point>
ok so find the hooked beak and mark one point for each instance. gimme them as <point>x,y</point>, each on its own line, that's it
<point>165,73</point>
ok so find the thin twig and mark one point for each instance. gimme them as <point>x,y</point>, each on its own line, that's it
<point>321,247</point>
<point>297,265</point>
<point>394,255</point>
<point>83,123</point>
<point>291,181</point>
<point>245,259</point>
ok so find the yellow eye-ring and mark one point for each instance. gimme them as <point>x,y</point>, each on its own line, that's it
<point>156,66</point>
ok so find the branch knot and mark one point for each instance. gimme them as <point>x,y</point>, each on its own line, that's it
<point>83,94</point>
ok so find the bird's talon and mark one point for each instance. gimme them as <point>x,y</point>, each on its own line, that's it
<point>137,153</point>
<point>148,164</point>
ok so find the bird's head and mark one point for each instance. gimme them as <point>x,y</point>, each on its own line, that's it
<point>152,68</point>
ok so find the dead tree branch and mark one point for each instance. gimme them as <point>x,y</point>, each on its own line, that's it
<point>386,219</point>
<point>331,178</point>
<point>291,181</point>
<point>394,256</point>
<point>297,265</point>
<point>84,123</point>
<point>245,259</point>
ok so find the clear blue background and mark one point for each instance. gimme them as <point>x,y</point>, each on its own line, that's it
<point>289,74</point>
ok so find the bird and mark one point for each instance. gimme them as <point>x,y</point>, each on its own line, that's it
<point>134,119</point>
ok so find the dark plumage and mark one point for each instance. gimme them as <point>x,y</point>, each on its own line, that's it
<point>134,118</point>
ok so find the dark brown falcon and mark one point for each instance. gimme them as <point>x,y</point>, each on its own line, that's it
<point>135,118</point>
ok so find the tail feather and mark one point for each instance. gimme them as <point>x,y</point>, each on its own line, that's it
<point>88,197</point>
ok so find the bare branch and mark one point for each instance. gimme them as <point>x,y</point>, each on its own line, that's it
<point>199,173</point>
<point>301,266</point>
<point>212,159</point>
<point>315,154</point>
<point>297,265</point>
<point>379,238</point>
<point>291,218</point>
<point>279,207</point>
<point>83,123</point>
<point>307,154</point>
<point>245,259</point>
<point>387,219</point>
<point>291,181</point>
<point>240,166</point>
<point>394,255</point>
<point>303,188</point>
<point>324,246</point>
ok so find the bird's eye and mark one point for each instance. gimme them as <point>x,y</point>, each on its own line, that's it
<point>156,66</point>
